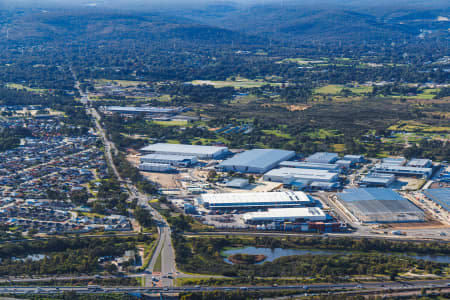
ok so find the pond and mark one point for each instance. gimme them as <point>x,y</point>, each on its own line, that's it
<point>272,254</point>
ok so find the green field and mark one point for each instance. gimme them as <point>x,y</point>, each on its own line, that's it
<point>238,83</point>
<point>23,87</point>
<point>301,61</point>
<point>171,123</point>
<point>333,89</point>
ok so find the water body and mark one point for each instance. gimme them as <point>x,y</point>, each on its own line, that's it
<point>272,254</point>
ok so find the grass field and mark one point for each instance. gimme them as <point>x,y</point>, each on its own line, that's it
<point>413,126</point>
<point>171,123</point>
<point>277,133</point>
<point>237,83</point>
<point>300,61</point>
<point>333,89</point>
<point>158,263</point>
<point>23,87</point>
<point>122,83</point>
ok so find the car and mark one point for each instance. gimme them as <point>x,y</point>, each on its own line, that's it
<point>305,287</point>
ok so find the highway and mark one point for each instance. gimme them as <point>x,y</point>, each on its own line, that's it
<point>383,287</point>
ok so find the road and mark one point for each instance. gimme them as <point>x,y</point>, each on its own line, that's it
<point>164,246</point>
<point>384,287</point>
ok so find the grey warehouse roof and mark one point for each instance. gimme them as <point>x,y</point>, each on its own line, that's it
<point>363,194</point>
<point>325,157</point>
<point>440,196</point>
<point>257,158</point>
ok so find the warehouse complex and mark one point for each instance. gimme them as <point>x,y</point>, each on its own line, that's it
<point>254,200</point>
<point>403,170</point>
<point>298,214</point>
<point>439,196</point>
<point>379,205</point>
<point>170,159</point>
<point>290,175</point>
<point>201,152</point>
<point>256,161</point>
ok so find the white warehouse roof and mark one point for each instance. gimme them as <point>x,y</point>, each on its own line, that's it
<point>286,214</point>
<point>248,200</point>
<point>183,149</point>
<point>279,175</point>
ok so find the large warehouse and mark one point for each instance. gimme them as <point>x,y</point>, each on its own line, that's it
<point>254,200</point>
<point>297,214</point>
<point>403,170</point>
<point>289,175</point>
<point>143,109</point>
<point>379,205</point>
<point>439,196</point>
<point>377,179</point>
<point>256,160</point>
<point>202,152</point>
<point>173,160</point>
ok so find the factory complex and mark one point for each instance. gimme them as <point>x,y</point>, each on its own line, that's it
<point>379,205</point>
<point>254,200</point>
<point>266,189</point>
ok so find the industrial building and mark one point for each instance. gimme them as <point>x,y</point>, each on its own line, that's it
<point>238,183</point>
<point>143,109</point>
<point>254,200</point>
<point>440,196</point>
<point>396,161</point>
<point>323,158</point>
<point>173,160</point>
<point>354,158</point>
<point>403,170</point>
<point>202,152</point>
<point>308,165</point>
<point>290,175</point>
<point>298,214</point>
<point>379,205</point>
<point>344,164</point>
<point>377,180</point>
<point>256,160</point>
<point>155,167</point>
<point>420,163</point>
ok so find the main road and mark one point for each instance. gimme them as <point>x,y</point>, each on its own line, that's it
<point>164,246</point>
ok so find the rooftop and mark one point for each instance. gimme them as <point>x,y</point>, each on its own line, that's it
<point>393,160</point>
<point>298,172</point>
<point>269,197</point>
<point>183,148</point>
<point>171,157</point>
<point>295,212</point>
<point>258,158</point>
<point>322,156</point>
<point>308,165</point>
<point>440,196</point>
<point>363,194</point>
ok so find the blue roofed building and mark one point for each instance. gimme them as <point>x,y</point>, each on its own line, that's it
<point>440,196</point>
<point>379,205</point>
<point>377,180</point>
<point>256,160</point>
